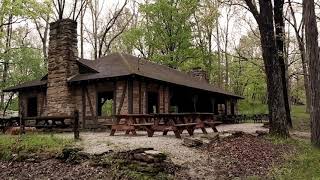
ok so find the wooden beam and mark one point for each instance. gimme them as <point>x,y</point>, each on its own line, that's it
<point>122,97</point>
<point>91,107</point>
<point>140,98</point>
<point>114,106</point>
<point>43,104</point>
<point>130,96</point>
<point>84,109</point>
<point>164,98</point>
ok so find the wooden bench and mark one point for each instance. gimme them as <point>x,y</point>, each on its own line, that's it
<point>122,127</point>
<point>213,124</point>
<point>146,126</point>
<point>179,128</point>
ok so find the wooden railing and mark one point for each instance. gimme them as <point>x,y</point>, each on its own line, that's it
<point>48,122</point>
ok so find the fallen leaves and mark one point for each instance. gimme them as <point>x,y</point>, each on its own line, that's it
<point>246,156</point>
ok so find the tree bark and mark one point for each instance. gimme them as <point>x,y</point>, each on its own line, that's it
<point>276,103</point>
<point>279,23</point>
<point>300,40</point>
<point>6,60</point>
<point>312,51</point>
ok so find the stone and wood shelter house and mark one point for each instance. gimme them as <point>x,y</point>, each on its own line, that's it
<point>132,85</point>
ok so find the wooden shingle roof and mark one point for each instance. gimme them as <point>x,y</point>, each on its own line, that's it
<point>118,64</point>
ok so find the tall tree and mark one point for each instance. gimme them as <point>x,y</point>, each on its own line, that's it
<point>170,30</point>
<point>205,22</point>
<point>312,51</point>
<point>280,39</point>
<point>276,100</point>
<point>299,34</point>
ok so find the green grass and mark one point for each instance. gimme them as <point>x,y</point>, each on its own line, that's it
<point>304,164</point>
<point>36,143</point>
<point>301,119</point>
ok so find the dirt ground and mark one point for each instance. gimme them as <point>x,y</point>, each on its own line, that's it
<point>215,161</point>
<point>50,169</point>
<point>99,142</point>
<point>195,161</point>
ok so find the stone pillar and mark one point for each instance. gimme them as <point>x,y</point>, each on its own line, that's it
<point>62,64</point>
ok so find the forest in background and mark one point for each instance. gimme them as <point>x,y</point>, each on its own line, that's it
<point>220,36</point>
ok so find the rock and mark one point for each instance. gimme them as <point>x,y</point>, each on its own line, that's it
<point>192,142</point>
<point>225,135</point>
<point>102,153</point>
<point>144,157</point>
<point>149,156</point>
<point>261,133</point>
<point>159,156</point>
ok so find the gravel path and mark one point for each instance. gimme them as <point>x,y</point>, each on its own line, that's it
<point>99,142</point>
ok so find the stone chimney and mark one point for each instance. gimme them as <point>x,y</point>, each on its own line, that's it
<point>62,64</point>
<point>200,74</point>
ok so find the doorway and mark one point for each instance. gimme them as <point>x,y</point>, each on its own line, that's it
<point>153,103</point>
<point>105,103</point>
<point>32,107</point>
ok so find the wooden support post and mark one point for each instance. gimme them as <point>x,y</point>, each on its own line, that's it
<point>114,105</point>
<point>130,96</point>
<point>83,108</point>
<point>76,125</point>
<point>91,108</point>
<point>22,124</point>
<point>122,98</point>
<point>140,97</point>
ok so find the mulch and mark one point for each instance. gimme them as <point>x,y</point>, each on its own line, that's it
<point>50,169</point>
<point>246,156</point>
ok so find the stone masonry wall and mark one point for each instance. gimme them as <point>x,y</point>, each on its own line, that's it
<point>62,65</point>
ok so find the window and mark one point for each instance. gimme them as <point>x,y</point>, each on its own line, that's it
<point>105,103</point>
<point>153,102</point>
<point>32,107</point>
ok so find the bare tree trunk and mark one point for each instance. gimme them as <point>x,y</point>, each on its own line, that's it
<point>279,24</point>
<point>300,39</point>
<point>226,50</point>
<point>81,31</point>
<point>6,61</point>
<point>219,55</point>
<point>312,51</point>
<point>276,104</point>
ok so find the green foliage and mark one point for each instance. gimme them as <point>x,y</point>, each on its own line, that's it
<point>107,108</point>
<point>303,165</point>
<point>165,35</point>
<point>248,80</point>
<point>30,144</point>
<point>249,107</point>
<point>24,8</point>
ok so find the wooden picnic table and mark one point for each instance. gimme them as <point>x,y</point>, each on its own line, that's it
<point>165,122</point>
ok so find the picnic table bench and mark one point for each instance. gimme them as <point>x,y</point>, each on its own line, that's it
<point>176,122</point>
